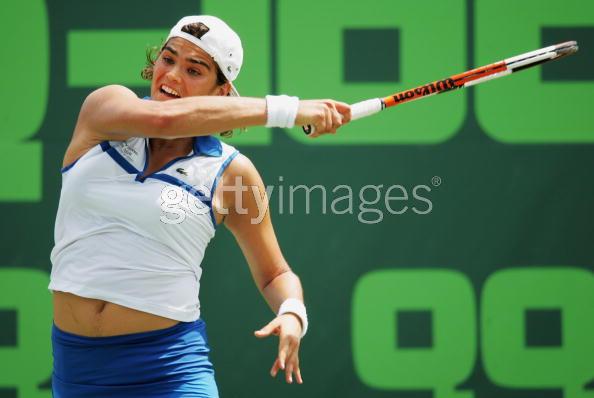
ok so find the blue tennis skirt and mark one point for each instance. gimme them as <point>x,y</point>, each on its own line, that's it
<point>171,362</point>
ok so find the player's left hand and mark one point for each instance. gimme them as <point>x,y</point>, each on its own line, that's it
<point>288,328</point>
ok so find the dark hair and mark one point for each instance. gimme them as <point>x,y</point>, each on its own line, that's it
<point>152,54</point>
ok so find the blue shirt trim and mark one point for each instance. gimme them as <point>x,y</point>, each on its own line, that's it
<point>141,176</point>
<point>200,146</point>
<point>115,155</point>
<point>68,167</point>
<point>216,182</point>
<point>205,145</point>
<point>208,145</point>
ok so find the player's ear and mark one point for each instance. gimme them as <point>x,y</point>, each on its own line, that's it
<point>224,89</point>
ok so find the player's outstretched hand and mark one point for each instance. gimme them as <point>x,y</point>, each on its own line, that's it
<point>325,116</point>
<point>288,328</point>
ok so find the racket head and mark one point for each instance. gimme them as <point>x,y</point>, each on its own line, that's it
<point>540,56</point>
<point>567,48</point>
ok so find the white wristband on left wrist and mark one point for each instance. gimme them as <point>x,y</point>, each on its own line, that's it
<point>295,306</point>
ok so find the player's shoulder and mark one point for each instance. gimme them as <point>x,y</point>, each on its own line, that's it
<point>111,90</point>
<point>226,149</point>
<point>111,94</point>
<point>241,166</point>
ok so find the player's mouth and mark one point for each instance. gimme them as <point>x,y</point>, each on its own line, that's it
<point>169,92</point>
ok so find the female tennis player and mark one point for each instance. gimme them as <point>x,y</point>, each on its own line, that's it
<point>144,186</point>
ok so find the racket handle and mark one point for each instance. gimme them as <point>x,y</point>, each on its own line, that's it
<point>358,110</point>
<point>366,108</point>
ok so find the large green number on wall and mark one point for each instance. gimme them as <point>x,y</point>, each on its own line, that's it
<point>29,363</point>
<point>381,364</point>
<point>310,64</point>
<point>25,85</point>
<point>508,360</point>
<point>522,108</point>
<point>91,56</point>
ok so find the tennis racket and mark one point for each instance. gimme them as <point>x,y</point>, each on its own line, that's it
<point>466,79</point>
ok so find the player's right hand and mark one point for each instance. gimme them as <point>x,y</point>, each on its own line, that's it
<point>325,116</point>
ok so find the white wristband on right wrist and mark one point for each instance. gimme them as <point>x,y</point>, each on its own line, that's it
<point>295,306</point>
<point>281,111</point>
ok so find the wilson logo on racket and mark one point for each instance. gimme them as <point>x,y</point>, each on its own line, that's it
<point>438,87</point>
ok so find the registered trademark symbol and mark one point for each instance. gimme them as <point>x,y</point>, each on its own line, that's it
<point>436,181</point>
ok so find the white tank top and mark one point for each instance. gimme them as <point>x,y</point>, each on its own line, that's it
<point>132,240</point>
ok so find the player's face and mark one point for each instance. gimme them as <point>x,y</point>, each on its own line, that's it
<point>184,70</point>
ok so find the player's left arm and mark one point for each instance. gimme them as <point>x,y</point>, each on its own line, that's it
<point>248,218</point>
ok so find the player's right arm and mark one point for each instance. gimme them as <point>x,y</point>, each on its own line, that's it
<point>115,113</point>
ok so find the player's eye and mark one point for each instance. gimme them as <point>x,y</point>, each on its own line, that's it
<point>193,72</point>
<point>168,60</point>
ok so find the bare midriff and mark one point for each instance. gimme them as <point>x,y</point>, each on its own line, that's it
<point>98,318</point>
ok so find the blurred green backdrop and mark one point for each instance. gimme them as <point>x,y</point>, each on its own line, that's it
<point>472,278</point>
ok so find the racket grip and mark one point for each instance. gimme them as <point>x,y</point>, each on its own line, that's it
<point>366,108</point>
<point>358,110</point>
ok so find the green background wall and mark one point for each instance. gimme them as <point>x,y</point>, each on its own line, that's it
<point>484,289</point>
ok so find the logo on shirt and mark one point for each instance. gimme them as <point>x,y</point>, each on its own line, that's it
<point>128,150</point>
<point>181,171</point>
